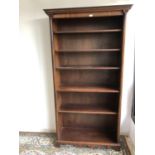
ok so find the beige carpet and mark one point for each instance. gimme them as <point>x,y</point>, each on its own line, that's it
<point>43,144</point>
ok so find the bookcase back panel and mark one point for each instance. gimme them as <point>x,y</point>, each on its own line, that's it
<point>106,78</point>
<point>89,41</point>
<point>90,59</point>
<point>90,121</point>
<point>88,135</point>
<point>105,101</point>
<point>89,23</point>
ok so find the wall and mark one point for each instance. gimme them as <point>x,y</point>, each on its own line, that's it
<point>128,77</point>
<point>37,107</point>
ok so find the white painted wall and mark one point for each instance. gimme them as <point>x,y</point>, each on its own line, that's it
<point>128,77</point>
<point>37,107</point>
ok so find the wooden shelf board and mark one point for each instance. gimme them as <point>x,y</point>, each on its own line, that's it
<point>87,31</point>
<point>87,89</point>
<point>86,68</point>
<point>87,50</point>
<point>87,136</point>
<point>86,109</point>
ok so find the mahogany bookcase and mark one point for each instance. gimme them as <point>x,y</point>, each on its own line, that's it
<point>87,56</point>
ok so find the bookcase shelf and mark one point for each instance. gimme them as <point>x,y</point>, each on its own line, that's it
<point>87,56</point>
<point>86,50</point>
<point>90,136</point>
<point>86,68</point>
<point>87,109</point>
<point>88,31</point>
<point>87,89</point>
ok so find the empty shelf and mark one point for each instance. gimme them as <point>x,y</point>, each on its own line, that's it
<point>87,31</point>
<point>86,109</point>
<point>87,136</point>
<point>86,68</point>
<point>87,50</point>
<point>87,89</point>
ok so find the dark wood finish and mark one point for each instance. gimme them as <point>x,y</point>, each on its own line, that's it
<point>87,55</point>
<point>56,78</point>
<point>88,25</point>
<point>88,134</point>
<point>121,78</point>
<point>102,122</point>
<point>87,78</point>
<point>88,31</point>
<point>93,41</point>
<point>120,8</point>
<point>92,59</point>
<point>87,89</point>
<point>103,99</point>
<point>87,68</point>
<point>86,109</point>
<point>84,15</point>
<point>87,50</point>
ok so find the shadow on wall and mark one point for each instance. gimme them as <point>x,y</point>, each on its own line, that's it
<point>41,32</point>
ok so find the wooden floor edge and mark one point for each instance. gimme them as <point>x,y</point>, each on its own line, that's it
<point>130,145</point>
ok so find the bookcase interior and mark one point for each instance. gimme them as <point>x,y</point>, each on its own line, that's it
<point>88,63</point>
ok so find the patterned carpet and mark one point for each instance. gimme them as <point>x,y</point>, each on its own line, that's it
<point>43,144</point>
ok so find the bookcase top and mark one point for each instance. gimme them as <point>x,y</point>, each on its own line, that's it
<point>121,8</point>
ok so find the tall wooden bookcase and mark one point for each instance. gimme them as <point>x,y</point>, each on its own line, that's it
<point>87,55</point>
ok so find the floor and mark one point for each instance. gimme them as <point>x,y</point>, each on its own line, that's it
<point>130,145</point>
<point>43,144</point>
